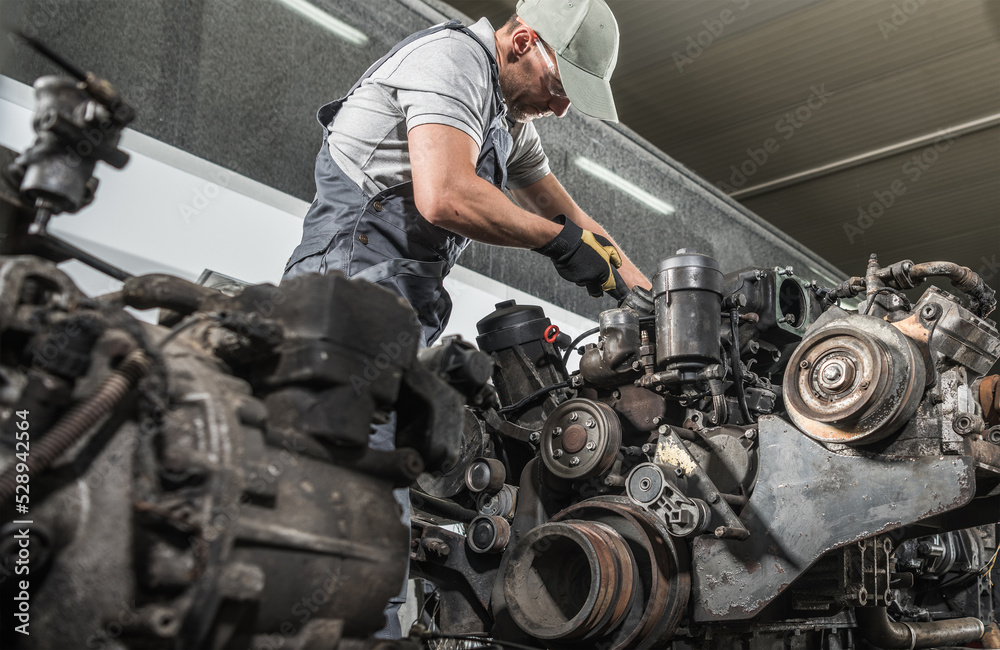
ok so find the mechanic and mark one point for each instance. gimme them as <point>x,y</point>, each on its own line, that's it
<point>416,158</point>
<point>418,153</point>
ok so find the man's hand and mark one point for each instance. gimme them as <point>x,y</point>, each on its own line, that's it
<point>586,259</point>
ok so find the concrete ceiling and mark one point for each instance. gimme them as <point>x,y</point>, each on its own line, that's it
<point>747,92</point>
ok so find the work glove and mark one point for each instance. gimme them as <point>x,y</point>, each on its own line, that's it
<point>586,259</point>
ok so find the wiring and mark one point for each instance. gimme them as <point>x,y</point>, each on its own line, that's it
<point>530,398</point>
<point>572,346</point>
<point>988,569</point>
<point>899,294</point>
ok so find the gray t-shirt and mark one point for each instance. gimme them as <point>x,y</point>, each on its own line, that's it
<point>443,78</point>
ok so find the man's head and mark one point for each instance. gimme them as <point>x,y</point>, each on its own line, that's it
<point>555,52</point>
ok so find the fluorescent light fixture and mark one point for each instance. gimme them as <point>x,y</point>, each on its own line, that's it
<point>337,27</point>
<point>616,181</point>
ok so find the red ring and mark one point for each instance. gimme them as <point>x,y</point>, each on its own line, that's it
<point>551,333</point>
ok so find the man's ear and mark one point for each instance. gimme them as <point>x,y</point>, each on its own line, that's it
<point>520,41</point>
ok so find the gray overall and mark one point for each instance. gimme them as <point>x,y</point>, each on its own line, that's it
<point>384,239</point>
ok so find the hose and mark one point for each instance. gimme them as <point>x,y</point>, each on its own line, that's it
<point>572,346</point>
<point>878,629</point>
<point>963,278</point>
<point>78,420</point>
<point>531,398</point>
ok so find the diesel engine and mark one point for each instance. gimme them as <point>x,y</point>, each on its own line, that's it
<point>740,461</point>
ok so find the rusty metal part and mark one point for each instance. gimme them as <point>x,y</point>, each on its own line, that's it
<point>801,483</point>
<point>671,451</point>
<point>488,534</point>
<point>570,580</point>
<point>957,335</point>
<point>648,486</point>
<point>964,279</point>
<point>877,628</point>
<point>485,475</point>
<point>165,291</point>
<point>614,359</point>
<point>79,420</point>
<point>854,379</point>
<point>580,439</point>
<point>992,637</point>
<point>503,503</point>
<point>989,399</point>
<point>855,575</point>
<point>469,576</point>
<point>640,408</point>
<point>663,580</point>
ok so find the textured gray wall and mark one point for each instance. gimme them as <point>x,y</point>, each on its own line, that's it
<point>237,82</point>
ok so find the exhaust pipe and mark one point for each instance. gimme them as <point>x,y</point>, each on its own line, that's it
<point>878,629</point>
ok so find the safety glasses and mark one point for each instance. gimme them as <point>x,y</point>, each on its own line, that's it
<point>555,84</point>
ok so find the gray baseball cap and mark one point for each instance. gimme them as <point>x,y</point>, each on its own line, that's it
<point>584,35</point>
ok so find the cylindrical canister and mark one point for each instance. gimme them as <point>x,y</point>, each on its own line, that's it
<point>687,291</point>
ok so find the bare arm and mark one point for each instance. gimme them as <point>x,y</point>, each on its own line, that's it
<point>548,198</point>
<point>449,194</point>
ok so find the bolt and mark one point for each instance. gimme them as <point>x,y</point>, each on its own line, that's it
<point>659,388</point>
<point>646,448</point>
<point>750,434</point>
<point>637,365</point>
<point>679,472</point>
<point>713,497</point>
<point>865,384</point>
<point>662,429</point>
<point>591,446</point>
<point>617,394</point>
<point>438,547</point>
<point>535,436</point>
<point>557,432</point>
<point>590,423</point>
<point>657,420</point>
<point>836,374</point>
<point>803,364</point>
<point>833,372</point>
<point>573,417</point>
<point>557,453</point>
<point>574,461</point>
